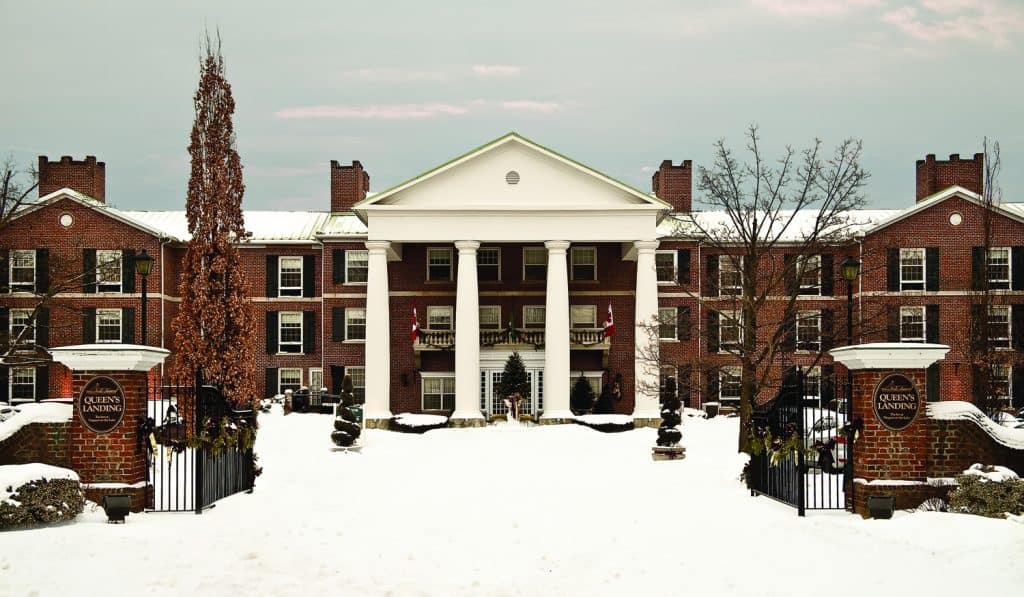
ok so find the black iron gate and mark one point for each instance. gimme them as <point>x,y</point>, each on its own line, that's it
<point>183,474</point>
<point>806,463</point>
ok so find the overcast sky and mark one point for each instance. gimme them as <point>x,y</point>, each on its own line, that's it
<point>404,86</point>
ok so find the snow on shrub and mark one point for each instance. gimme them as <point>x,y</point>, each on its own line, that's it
<point>413,423</point>
<point>38,493</point>
<point>992,491</point>
<point>606,423</point>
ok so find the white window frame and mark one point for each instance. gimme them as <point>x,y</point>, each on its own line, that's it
<point>904,281</point>
<point>594,378</point>
<point>542,309</point>
<point>13,382</point>
<point>908,311</point>
<point>543,252</point>
<point>14,257</point>
<point>1000,282</point>
<point>490,308</point>
<point>99,325</point>
<point>351,256</point>
<point>281,343</point>
<point>573,251</point>
<point>348,318</point>
<point>675,266</point>
<point>809,264</point>
<point>283,290</point>
<point>358,375</point>
<point>104,259</point>
<point>730,371</point>
<point>725,266</point>
<point>802,317</point>
<point>730,319</point>
<point>589,314</point>
<point>1007,374</point>
<point>667,314</point>
<point>440,312</point>
<point>1001,342</point>
<point>316,388</point>
<point>280,378</point>
<point>451,263</point>
<point>441,378</point>
<point>14,328</point>
<point>480,252</point>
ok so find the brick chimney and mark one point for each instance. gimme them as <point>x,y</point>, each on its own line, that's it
<point>935,175</point>
<point>348,185</point>
<point>87,176</point>
<point>674,184</point>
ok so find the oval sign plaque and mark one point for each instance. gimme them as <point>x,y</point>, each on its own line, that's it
<point>895,402</point>
<point>101,405</point>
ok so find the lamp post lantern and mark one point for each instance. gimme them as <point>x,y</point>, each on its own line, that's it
<point>143,265</point>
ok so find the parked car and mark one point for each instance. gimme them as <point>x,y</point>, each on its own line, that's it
<point>823,433</point>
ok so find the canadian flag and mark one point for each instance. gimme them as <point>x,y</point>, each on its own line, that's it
<point>415,326</point>
<point>609,324</point>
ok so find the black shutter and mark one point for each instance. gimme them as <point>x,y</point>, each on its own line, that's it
<point>978,268</point>
<point>713,337</point>
<point>271,330</point>
<point>683,266</point>
<point>128,325</point>
<point>711,394</point>
<point>271,276</point>
<point>338,324</point>
<point>308,277</point>
<point>931,266</point>
<point>828,331</point>
<point>932,382</point>
<point>42,383</point>
<point>828,384</point>
<point>931,324</point>
<point>979,387</point>
<point>979,321</point>
<point>711,276</point>
<point>4,396</point>
<point>42,327</point>
<point>683,323</point>
<point>1017,263</point>
<point>1017,327</point>
<point>893,324</point>
<point>892,270</point>
<point>270,382</point>
<point>128,270</point>
<point>88,270</point>
<point>1017,398</point>
<point>308,332</point>
<point>789,333</point>
<point>89,325</point>
<point>4,282</point>
<point>684,385</point>
<point>337,376</point>
<point>790,274</point>
<point>42,270</point>
<point>5,324</point>
<point>338,266</point>
<point>827,276</point>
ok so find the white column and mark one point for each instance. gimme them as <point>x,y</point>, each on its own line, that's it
<point>556,336</point>
<point>378,336</point>
<point>467,339</point>
<point>647,409</point>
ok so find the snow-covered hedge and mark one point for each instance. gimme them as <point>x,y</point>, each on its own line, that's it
<point>992,491</point>
<point>413,423</point>
<point>38,493</point>
<point>606,423</point>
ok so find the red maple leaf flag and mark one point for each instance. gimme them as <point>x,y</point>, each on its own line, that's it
<point>415,326</point>
<point>609,324</point>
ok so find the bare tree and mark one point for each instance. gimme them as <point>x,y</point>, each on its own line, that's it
<point>16,188</point>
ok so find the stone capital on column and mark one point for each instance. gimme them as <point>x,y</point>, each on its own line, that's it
<point>377,246</point>
<point>645,246</point>
<point>556,246</point>
<point>467,246</point>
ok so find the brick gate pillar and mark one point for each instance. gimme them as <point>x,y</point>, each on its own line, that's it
<point>890,456</point>
<point>110,385</point>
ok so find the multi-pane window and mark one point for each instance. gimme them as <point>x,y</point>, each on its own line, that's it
<point>289,379</point>
<point>108,325</point>
<point>490,317</point>
<point>730,274</point>
<point>290,276</point>
<point>535,263</point>
<point>21,330</point>
<point>665,266</point>
<point>730,329</point>
<point>23,270</point>
<point>533,316</point>
<point>812,385</point>
<point>911,269</point>
<point>583,262</point>
<point>355,324</point>
<point>808,331</point>
<point>439,393</point>
<point>593,378</point>
<point>999,326</point>
<point>999,267</point>
<point>667,323</point>
<point>439,263</point>
<point>809,269</point>
<point>108,271</point>
<point>439,318</point>
<point>358,375</point>
<point>357,266</point>
<point>583,316</point>
<point>912,324</point>
<point>488,264</point>
<point>1000,383</point>
<point>730,384</point>
<point>290,329</point>
<point>23,383</point>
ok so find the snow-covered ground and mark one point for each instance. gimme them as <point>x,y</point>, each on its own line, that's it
<point>560,510</point>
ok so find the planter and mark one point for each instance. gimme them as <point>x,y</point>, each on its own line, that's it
<point>711,408</point>
<point>881,506</point>
<point>117,506</point>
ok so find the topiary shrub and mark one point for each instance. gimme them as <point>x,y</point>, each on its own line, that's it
<point>979,494</point>
<point>42,501</point>
<point>581,400</point>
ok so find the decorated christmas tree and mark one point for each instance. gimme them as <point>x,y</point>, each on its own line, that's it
<point>515,385</point>
<point>346,429</point>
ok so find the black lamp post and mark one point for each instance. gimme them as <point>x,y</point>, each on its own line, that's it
<point>851,269</point>
<point>143,265</point>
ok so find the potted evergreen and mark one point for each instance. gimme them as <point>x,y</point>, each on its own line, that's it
<point>346,428</point>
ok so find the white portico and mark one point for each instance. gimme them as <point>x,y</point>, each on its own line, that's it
<point>508,191</point>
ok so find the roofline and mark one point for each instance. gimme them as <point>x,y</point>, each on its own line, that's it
<point>90,202</point>
<point>935,199</point>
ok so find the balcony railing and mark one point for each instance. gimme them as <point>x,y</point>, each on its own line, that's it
<point>587,338</point>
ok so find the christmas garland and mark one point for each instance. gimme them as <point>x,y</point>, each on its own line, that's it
<point>226,434</point>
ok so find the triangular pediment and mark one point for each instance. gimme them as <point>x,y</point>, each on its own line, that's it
<point>511,173</point>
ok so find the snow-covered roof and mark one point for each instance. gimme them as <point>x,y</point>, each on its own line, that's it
<point>265,226</point>
<point>343,224</point>
<point>682,225</point>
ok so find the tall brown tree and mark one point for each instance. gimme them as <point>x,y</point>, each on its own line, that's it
<point>215,329</point>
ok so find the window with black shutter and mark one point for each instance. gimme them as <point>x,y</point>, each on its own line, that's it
<point>978,268</point>
<point>337,377</point>
<point>711,276</point>
<point>338,324</point>
<point>931,269</point>
<point>42,270</point>
<point>128,270</point>
<point>43,327</point>
<point>892,269</point>
<point>271,281</point>
<point>931,324</point>
<point>308,337</point>
<point>270,382</point>
<point>338,266</point>
<point>128,325</point>
<point>711,385</point>
<point>1017,268</point>
<point>4,270</point>
<point>42,383</point>
<point>271,335</point>
<point>89,326</point>
<point>89,270</point>
<point>932,383</point>
<point>1017,327</point>
<point>683,322</point>
<point>683,265</point>
<point>713,331</point>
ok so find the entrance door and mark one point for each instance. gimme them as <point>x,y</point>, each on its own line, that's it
<point>492,404</point>
<point>316,383</point>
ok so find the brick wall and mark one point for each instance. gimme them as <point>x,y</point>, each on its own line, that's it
<point>956,445</point>
<point>86,176</point>
<point>38,442</point>
<point>934,175</point>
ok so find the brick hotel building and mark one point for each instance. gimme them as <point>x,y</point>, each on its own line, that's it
<point>514,235</point>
